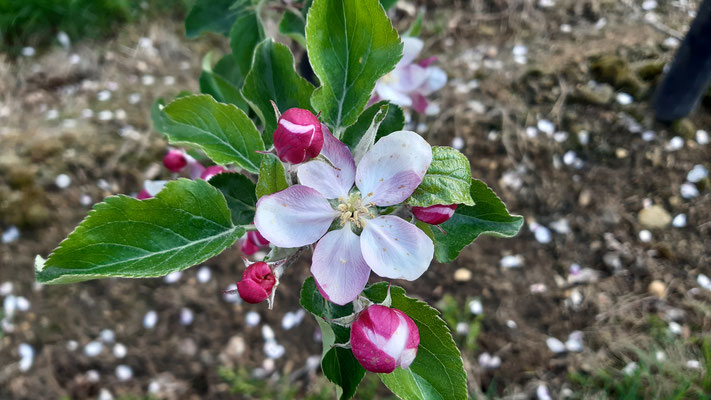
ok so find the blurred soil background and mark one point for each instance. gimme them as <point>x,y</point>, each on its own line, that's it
<point>605,293</point>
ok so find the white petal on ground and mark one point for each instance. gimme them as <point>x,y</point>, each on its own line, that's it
<point>396,249</point>
<point>697,174</point>
<point>338,265</point>
<point>150,319</point>
<point>295,217</point>
<point>555,345</point>
<point>704,281</point>
<point>329,181</point>
<point>393,168</point>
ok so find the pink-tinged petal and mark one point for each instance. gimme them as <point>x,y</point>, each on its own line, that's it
<point>295,217</point>
<point>196,169</point>
<point>395,248</point>
<point>338,266</point>
<point>248,248</point>
<point>153,187</point>
<point>411,49</point>
<point>143,195</point>
<point>427,61</point>
<point>389,93</point>
<point>409,78</point>
<point>393,168</point>
<point>330,182</point>
<point>419,103</point>
<point>436,79</point>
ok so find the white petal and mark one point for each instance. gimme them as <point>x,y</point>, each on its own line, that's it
<point>338,265</point>
<point>154,187</point>
<point>389,93</point>
<point>436,79</point>
<point>393,168</point>
<point>411,49</point>
<point>330,182</point>
<point>395,248</point>
<point>409,78</point>
<point>294,217</point>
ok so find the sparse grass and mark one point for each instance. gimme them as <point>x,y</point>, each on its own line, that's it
<point>667,378</point>
<point>37,22</point>
<point>454,313</point>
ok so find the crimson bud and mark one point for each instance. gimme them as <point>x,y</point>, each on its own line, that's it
<point>298,136</point>
<point>175,160</point>
<point>257,283</point>
<point>434,215</point>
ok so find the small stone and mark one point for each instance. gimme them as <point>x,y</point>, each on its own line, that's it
<point>186,316</point>
<point>675,328</point>
<point>27,356</point>
<point>702,137</point>
<point>148,80</point>
<point>85,200</point>
<point>267,333</point>
<point>104,394</point>
<point>555,345</point>
<point>458,143</point>
<point>561,226</point>
<point>658,288</point>
<point>93,349</point>
<point>649,5</point>
<point>87,113</point>
<point>124,373</point>
<point>462,275</point>
<point>134,98</point>
<point>120,350</point>
<point>28,51</point>
<point>105,115</point>
<point>584,137</point>
<point>273,350</point>
<point>704,281</point>
<point>569,157</point>
<point>10,234</point>
<point>630,368</point>
<point>487,361</point>
<point>689,190</point>
<point>693,364</point>
<point>542,392</point>
<point>63,39</point>
<point>671,43</point>
<point>648,136</point>
<point>93,375</point>
<point>173,277</point>
<point>6,288</point>
<point>235,347</point>
<point>252,318</point>
<point>566,28</point>
<point>676,143</point>
<point>103,95</point>
<point>511,324</point>
<point>204,274</point>
<point>542,234</point>
<point>560,137</point>
<point>63,181</point>
<point>531,132</point>
<point>645,236</point>
<point>150,319</point>
<point>654,217</point>
<point>624,99</point>
<point>679,221</point>
<point>538,288</point>
<point>475,307</point>
<point>697,174</point>
<point>107,336</point>
<point>313,362</point>
<point>515,261</point>
<point>546,127</point>
<point>72,345</point>
<point>169,80</point>
<point>462,328</point>
<point>660,356</point>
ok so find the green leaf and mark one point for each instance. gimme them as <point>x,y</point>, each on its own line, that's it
<point>341,367</point>
<point>387,4</point>
<point>313,302</point>
<point>488,216</point>
<point>222,131</point>
<point>293,23</point>
<point>272,177</point>
<point>350,43</point>
<point>438,370</point>
<point>447,180</point>
<point>213,16</point>
<point>274,78</point>
<point>185,224</point>
<point>239,194</point>
<point>246,33</point>
<point>219,86</point>
<point>394,121</point>
<point>416,27</point>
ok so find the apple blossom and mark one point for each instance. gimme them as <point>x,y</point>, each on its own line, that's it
<point>409,83</point>
<point>252,242</point>
<point>383,339</point>
<point>175,160</point>
<point>298,136</point>
<point>209,172</point>
<point>143,194</point>
<point>436,214</point>
<point>257,283</point>
<point>386,244</point>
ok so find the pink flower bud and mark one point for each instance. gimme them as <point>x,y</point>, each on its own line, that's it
<point>175,160</point>
<point>257,283</point>
<point>143,194</point>
<point>209,172</point>
<point>434,215</point>
<point>298,136</point>
<point>257,238</point>
<point>384,338</point>
<point>248,247</point>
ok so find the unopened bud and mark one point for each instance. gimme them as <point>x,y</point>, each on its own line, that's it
<point>257,238</point>
<point>434,215</point>
<point>143,194</point>
<point>383,339</point>
<point>209,172</point>
<point>248,248</point>
<point>175,160</point>
<point>298,136</point>
<point>257,283</point>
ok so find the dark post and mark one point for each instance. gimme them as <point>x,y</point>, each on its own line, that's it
<point>690,73</point>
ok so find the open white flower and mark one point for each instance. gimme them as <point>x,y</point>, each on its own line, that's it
<point>363,240</point>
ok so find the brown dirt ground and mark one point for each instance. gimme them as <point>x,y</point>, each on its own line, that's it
<point>601,202</point>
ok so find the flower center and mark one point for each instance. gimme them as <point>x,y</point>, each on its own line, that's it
<point>353,210</point>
